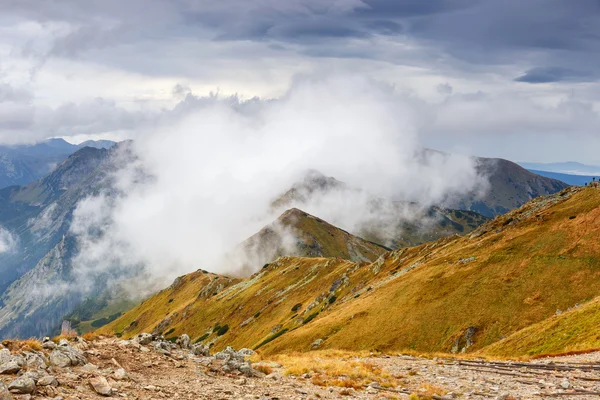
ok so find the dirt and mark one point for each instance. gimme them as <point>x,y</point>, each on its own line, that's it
<point>150,375</point>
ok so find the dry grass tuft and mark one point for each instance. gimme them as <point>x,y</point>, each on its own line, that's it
<point>335,368</point>
<point>91,336</point>
<point>31,344</point>
<point>70,336</point>
<point>428,391</point>
<point>265,369</point>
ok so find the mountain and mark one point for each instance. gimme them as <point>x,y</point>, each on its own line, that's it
<point>296,233</point>
<point>23,164</point>
<point>38,215</point>
<point>293,233</point>
<point>570,168</point>
<point>577,180</point>
<point>510,186</point>
<point>392,223</point>
<point>455,294</point>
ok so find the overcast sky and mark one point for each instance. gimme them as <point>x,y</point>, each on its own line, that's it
<point>516,79</point>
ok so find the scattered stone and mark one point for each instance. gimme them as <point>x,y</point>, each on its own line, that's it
<point>47,380</point>
<point>162,347</point>
<point>183,341</point>
<point>120,374</point>
<point>35,360</point>
<point>201,350</point>
<point>4,393</point>
<point>22,385</point>
<point>565,384</point>
<point>101,386</point>
<point>316,344</point>
<point>247,352</point>
<point>10,367</point>
<point>275,376</point>
<point>49,345</point>
<point>144,338</point>
<point>66,356</point>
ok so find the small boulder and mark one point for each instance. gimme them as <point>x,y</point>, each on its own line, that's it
<point>35,360</point>
<point>101,386</point>
<point>120,374</point>
<point>10,367</point>
<point>49,345</point>
<point>66,356</point>
<point>163,348</point>
<point>316,344</point>
<point>184,341</point>
<point>47,380</point>
<point>22,385</point>
<point>201,350</point>
<point>4,393</point>
<point>247,352</point>
<point>144,338</point>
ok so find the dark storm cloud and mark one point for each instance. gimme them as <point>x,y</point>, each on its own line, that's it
<point>554,74</point>
<point>534,33</point>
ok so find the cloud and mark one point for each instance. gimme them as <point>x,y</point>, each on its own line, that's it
<point>8,242</point>
<point>554,74</point>
<point>27,123</point>
<point>446,33</point>
<point>216,169</point>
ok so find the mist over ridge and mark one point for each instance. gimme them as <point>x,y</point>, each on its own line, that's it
<point>213,173</point>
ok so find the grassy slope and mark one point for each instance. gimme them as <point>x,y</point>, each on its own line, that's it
<point>573,331</point>
<point>526,265</point>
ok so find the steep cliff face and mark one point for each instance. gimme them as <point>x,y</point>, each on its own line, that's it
<point>39,217</point>
<point>34,304</point>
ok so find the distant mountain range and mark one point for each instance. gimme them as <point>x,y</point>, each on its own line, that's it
<point>23,164</point>
<point>575,180</point>
<point>38,215</point>
<point>569,168</point>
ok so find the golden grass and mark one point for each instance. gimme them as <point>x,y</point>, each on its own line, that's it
<point>265,369</point>
<point>91,336</point>
<point>527,265</point>
<point>335,368</point>
<point>23,345</point>
<point>571,333</point>
<point>69,336</point>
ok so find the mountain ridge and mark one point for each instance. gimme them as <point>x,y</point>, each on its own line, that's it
<point>473,289</point>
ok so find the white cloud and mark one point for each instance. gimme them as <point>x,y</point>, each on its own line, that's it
<point>8,242</point>
<point>217,168</point>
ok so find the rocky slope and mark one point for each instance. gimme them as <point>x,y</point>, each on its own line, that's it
<point>512,272</point>
<point>149,367</point>
<point>39,215</point>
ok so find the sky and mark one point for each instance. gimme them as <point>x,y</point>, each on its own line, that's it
<point>500,78</point>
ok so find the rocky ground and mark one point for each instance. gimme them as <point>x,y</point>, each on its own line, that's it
<point>151,368</point>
